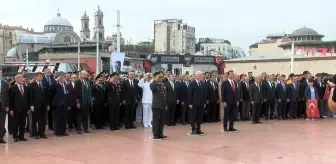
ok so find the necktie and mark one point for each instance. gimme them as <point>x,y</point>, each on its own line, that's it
<point>63,89</point>
<point>258,87</point>
<point>21,90</point>
<point>172,84</point>
<point>49,80</point>
<point>232,86</point>
<point>131,83</point>
<point>40,85</point>
<point>247,85</point>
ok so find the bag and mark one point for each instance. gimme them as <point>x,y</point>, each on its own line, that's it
<point>312,109</point>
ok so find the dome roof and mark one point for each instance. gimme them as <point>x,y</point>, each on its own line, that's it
<point>58,21</point>
<point>12,52</point>
<point>304,31</point>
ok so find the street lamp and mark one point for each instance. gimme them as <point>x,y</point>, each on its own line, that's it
<point>292,56</point>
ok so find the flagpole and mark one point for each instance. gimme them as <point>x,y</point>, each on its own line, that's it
<point>27,57</point>
<point>78,56</point>
<point>97,55</point>
<point>118,31</point>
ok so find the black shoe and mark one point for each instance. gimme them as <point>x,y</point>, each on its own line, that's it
<point>79,132</point>
<point>117,129</point>
<point>199,132</point>
<point>65,134</point>
<point>23,139</point>
<point>16,140</point>
<point>132,126</point>
<point>259,122</point>
<point>37,137</point>
<point>163,136</point>
<point>194,133</point>
<point>2,141</point>
<point>44,136</point>
<point>226,130</point>
<point>233,130</point>
<point>87,131</point>
<point>157,138</point>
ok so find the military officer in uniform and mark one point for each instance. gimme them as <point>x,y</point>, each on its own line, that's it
<point>113,95</point>
<point>159,105</point>
<point>99,101</point>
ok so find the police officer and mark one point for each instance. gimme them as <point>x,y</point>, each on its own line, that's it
<point>98,101</point>
<point>113,95</point>
<point>159,105</point>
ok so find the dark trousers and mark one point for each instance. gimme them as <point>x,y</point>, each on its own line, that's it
<point>158,121</point>
<point>170,115</point>
<point>293,109</point>
<point>72,117</point>
<point>129,114</point>
<point>51,119</point>
<point>60,119</point>
<point>114,116</point>
<point>244,115</point>
<point>256,112</point>
<point>39,121</point>
<point>2,123</point>
<point>282,109</point>
<point>19,123</point>
<point>83,115</point>
<point>196,117</point>
<point>230,115</point>
<point>269,108</point>
<point>183,113</point>
<point>99,115</point>
<point>211,112</point>
<point>302,108</point>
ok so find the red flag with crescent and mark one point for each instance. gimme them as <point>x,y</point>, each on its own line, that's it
<point>324,51</point>
<point>312,109</point>
<point>218,60</point>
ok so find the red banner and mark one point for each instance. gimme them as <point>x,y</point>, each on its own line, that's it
<point>312,109</point>
<point>332,50</point>
<point>324,51</point>
<point>313,51</point>
<point>307,51</point>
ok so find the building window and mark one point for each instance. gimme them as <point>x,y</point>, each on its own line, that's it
<point>67,39</point>
<point>85,25</point>
<point>10,42</point>
<point>10,33</point>
<point>100,36</point>
<point>99,22</point>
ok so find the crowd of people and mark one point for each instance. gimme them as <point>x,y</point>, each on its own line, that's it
<point>78,101</point>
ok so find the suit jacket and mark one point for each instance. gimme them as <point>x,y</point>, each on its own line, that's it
<point>280,92</point>
<point>4,95</point>
<point>38,97</point>
<point>213,96</point>
<point>60,99</point>
<point>320,89</point>
<point>293,92</point>
<point>98,94</point>
<point>159,95</point>
<point>256,93</point>
<point>172,94</point>
<point>183,91</point>
<point>302,88</point>
<point>17,101</point>
<point>245,95</point>
<point>130,93</point>
<point>84,97</point>
<point>196,93</point>
<point>308,93</point>
<point>72,93</point>
<point>113,92</point>
<point>268,91</point>
<point>228,95</point>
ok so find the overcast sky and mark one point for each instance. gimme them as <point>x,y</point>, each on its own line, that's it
<point>243,22</point>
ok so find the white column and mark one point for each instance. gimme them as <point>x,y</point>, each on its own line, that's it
<point>292,58</point>
<point>118,31</point>
<point>78,56</point>
<point>97,55</point>
<point>27,57</point>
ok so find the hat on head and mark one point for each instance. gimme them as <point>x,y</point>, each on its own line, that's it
<point>115,75</point>
<point>100,76</point>
<point>158,74</point>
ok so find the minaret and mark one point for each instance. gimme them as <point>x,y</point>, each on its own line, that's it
<point>99,25</point>
<point>85,32</point>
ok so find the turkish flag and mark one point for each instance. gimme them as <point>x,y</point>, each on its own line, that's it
<point>218,60</point>
<point>313,51</point>
<point>295,50</point>
<point>324,51</point>
<point>307,50</point>
<point>312,109</point>
<point>332,50</point>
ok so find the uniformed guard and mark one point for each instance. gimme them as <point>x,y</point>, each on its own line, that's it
<point>99,101</point>
<point>159,105</point>
<point>113,95</point>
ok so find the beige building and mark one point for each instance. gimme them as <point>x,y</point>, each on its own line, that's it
<point>281,64</point>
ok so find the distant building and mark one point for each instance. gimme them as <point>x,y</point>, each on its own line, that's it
<point>219,47</point>
<point>306,40</point>
<point>174,36</point>
<point>111,41</point>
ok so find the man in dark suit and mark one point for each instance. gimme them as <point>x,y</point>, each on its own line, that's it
<point>39,105</point>
<point>245,95</point>
<point>4,100</point>
<point>230,102</point>
<point>84,102</point>
<point>302,88</point>
<point>98,94</point>
<point>72,102</point>
<point>19,105</point>
<point>61,103</point>
<point>197,101</point>
<point>47,81</point>
<point>320,87</point>
<point>183,91</point>
<point>281,97</point>
<point>130,98</point>
<point>159,105</point>
<point>173,99</point>
<point>256,98</point>
<point>293,96</point>
<point>269,97</point>
<point>213,98</point>
<point>113,95</point>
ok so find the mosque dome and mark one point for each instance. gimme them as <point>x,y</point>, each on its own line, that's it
<point>12,52</point>
<point>57,24</point>
<point>305,31</point>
